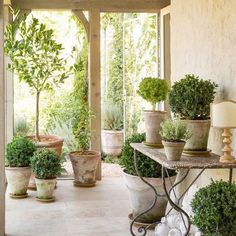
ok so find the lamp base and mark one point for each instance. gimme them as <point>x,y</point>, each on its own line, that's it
<point>227,159</point>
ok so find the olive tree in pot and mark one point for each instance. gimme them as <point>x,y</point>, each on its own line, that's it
<point>112,133</point>
<point>142,196</point>
<point>153,90</point>
<point>35,58</point>
<point>18,171</point>
<point>190,99</point>
<point>46,166</point>
<point>214,209</point>
<point>174,134</point>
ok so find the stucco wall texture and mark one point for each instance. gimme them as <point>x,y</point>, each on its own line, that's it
<point>203,42</point>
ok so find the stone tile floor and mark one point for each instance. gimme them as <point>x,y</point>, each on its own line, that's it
<point>97,211</point>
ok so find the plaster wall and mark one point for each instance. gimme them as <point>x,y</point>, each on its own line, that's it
<point>203,42</point>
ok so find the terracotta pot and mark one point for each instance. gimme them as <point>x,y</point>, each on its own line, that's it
<point>141,197</point>
<point>45,189</point>
<point>173,150</point>
<point>152,121</point>
<point>18,181</point>
<point>200,132</point>
<point>84,166</point>
<point>47,141</point>
<point>112,142</point>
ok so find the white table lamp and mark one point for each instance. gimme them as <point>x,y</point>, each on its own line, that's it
<point>223,115</point>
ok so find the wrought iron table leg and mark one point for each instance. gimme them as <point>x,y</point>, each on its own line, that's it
<point>142,230</point>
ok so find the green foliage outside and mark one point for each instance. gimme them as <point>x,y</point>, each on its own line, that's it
<point>19,152</point>
<point>174,131</point>
<point>146,166</point>
<point>190,98</point>
<point>214,209</point>
<point>21,127</point>
<point>35,57</point>
<point>46,164</point>
<point>153,90</point>
<point>112,117</point>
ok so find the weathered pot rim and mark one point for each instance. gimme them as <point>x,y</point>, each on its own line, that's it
<point>197,121</point>
<point>91,153</point>
<point>113,131</point>
<point>155,112</point>
<point>173,143</point>
<point>55,142</point>
<point>150,178</point>
<point>46,179</point>
<point>17,168</point>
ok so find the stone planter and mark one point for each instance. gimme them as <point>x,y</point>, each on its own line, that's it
<point>84,166</point>
<point>173,150</point>
<point>141,197</point>
<point>45,189</point>
<point>112,142</point>
<point>152,121</point>
<point>18,181</point>
<point>47,141</point>
<point>200,132</point>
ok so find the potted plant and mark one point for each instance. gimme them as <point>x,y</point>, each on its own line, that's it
<point>46,166</point>
<point>140,194</point>
<point>153,90</point>
<point>214,209</point>
<point>190,99</point>
<point>112,133</point>
<point>35,58</point>
<point>18,171</point>
<point>174,134</point>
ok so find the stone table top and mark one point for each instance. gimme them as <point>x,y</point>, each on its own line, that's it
<point>186,162</point>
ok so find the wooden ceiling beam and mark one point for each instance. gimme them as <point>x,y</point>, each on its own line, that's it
<point>102,5</point>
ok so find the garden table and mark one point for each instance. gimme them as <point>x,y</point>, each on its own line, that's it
<point>186,163</point>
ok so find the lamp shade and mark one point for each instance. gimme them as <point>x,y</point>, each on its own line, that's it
<point>223,114</point>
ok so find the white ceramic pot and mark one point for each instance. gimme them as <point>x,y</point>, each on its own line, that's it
<point>152,121</point>
<point>142,196</point>
<point>173,150</point>
<point>200,132</point>
<point>18,181</point>
<point>45,189</point>
<point>84,167</point>
<point>112,142</point>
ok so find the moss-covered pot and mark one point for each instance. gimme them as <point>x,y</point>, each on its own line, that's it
<point>173,150</point>
<point>84,166</point>
<point>141,197</point>
<point>200,132</point>
<point>152,120</point>
<point>18,181</point>
<point>45,189</point>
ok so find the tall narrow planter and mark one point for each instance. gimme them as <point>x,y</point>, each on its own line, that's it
<point>200,132</point>
<point>112,141</point>
<point>84,166</point>
<point>18,181</point>
<point>141,197</point>
<point>47,141</point>
<point>152,121</point>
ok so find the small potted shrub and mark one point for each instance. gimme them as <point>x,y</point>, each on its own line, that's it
<point>18,171</point>
<point>112,133</point>
<point>153,90</point>
<point>46,166</point>
<point>190,99</point>
<point>174,134</point>
<point>140,194</point>
<point>214,208</point>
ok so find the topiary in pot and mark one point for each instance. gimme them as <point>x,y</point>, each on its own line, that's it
<point>153,90</point>
<point>190,99</point>
<point>112,133</point>
<point>214,208</point>
<point>141,196</point>
<point>18,171</point>
<point>174,135</point>
<point>46,166</point>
